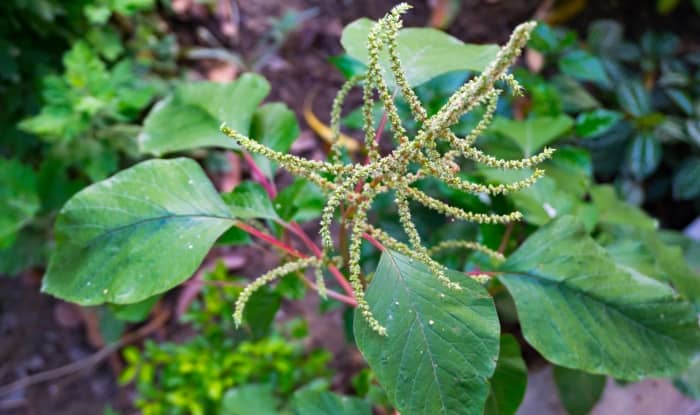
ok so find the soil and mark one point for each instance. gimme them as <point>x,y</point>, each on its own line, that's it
<point>35,337</point>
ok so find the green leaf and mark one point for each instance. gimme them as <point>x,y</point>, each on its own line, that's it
<point>571,168</point>
<point>581,310</point>
<point>509,380</point>
<point>54,185</point>
<point>689,382</point>
<point>111,328</point>
<point>534,133</point>
<point>234,237</point>
<point>582,65</point>
<point>578,391</point>
<point>28,249</point>
<point>136,312</point>
<point>594,123</point>
<point>311,402</point>
<point>20,201</point>
<point>693,129</point>
<point>129,7</point>
<point>682,99</point>
<point>551,40</point>
<point>424,52</point>
<point>301,201</point>
<point>643,155</point>
<point>540,202</point>
<point>249,200</point>
<point>604,36</point>
<point>633,98</point>
<point>644,251</point>
<point>190,118</point>
<point>260,312</point>
<point>613,211</point>
<point>136,234</point>
<point>257,399</point>
<point>347,65</point>
<point>275,126</point>
<point>574,97</point>
<point>442,344</point>
<point>666,6</point>
<point>686,181</point>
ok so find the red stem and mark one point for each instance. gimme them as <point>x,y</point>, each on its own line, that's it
<point>340,297</point>
<point>332,294</point>
<point>506,237</point>
<point>259,176</point>
<point>374,242</point>
<point>297,230</point>
<point>477,272</point>
<point>270,239</point>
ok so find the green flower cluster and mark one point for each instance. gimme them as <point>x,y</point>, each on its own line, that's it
<point>357,185</point>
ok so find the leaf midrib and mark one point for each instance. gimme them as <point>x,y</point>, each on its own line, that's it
<point>422,328</point>
<point>561,285</point>
<point>153,219</point>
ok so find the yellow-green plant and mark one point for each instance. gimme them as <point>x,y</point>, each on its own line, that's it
<point>357,185</point>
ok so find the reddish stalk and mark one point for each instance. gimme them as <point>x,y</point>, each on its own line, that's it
<point>297,230</point>
<point>270,239</point>
<point>506,237</point>
<point>302,235</point>
<point>374,242</point>
<point>259,176</point>
<point>477,272</point>
<point>377,139</point>
<point>332,294</point>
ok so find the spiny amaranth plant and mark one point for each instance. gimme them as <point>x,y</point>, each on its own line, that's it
<point>357,185</point>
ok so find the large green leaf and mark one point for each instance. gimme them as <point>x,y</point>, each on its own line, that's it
<point>190,118</point>
<point>136,234</point>
<point>578,391</point>
<point>424,52</point>
<point>509,380</point>
<point>534,133</point>
<point>249,200</point>
<point>20,201</point>
<point>258,399</point>
<point>275,126</point>
<point>442,344</point>
<point>311,402</point>
<point>582,310</point>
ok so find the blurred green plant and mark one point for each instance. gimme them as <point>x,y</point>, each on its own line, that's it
<point>63,128</point>
<point>199,375</point>
<point>640,115</point>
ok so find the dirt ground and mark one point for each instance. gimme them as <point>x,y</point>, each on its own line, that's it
<point>37,333</point>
